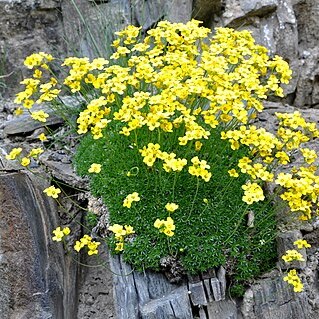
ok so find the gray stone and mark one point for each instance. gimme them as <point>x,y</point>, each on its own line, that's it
<point>96,288</point>
<point>259,7</point>
<point>90,28</point>
<point>148,13</point>
<point>216,289</point>
<point>221,276</point>
<point>147,295</point>
<point>174,305</point>
<point>36,279</point>
<point>63,171</point>
<point>179,10</point>
<point>205,10</point>
<point>274,298</point>
<point>239,12</point>
<point>26,27</point>
<point>222,309</point>
<point>307,13</point>
<point>285,242</point>
<point>208,289</point>
<point>126,299</point>
<point>197,294</point>
<point>308,78</point>
<point>25,123</point>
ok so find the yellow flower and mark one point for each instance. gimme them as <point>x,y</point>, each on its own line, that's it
<point>78,246</point>
<point>60,233</point>
<point>205,200</point>
<point>301,243</point>
<point>119,246</point>
<point>52,191</point>
<point>18,111</point>
<point>93,247</point>
<point>233,173</point>
<point>129,229</point>
<point>14,153</point>
<point>293,279</point>
<point>292,255</point>
<point>66,230</point>
<point>42,137</point>
<point>25,161</point>
<point>171,207</point>
<point>165,226</point>
<point>134,197</point>
<point>40,116</point>
<point>198,145</point>
<point>95,168</point>
<point>35,152</point>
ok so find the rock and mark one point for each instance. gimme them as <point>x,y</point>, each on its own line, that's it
<point>237,11</point>
<point>197,294</point>
<point>259,7</point>
<point>148,13</point>
<point>175,305</point>
<point>125,294</point>
<point>83,22</point>
<point>307,13</point>
<point>285,242</point>
<point>221,275</point>
<point>274,298</point>
<point>147,295</point>
<point>306,91</point>
<point>26,27</point>
<point>179,10</point>
<point>96,288</point>
<point>216,289</point>
<point>205,10</point>
<point>36,279</point>
<point>222,309</point>
<point>25,123</point>
<point>63,171</point>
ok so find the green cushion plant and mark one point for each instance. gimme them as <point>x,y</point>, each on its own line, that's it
<point>170,146</point>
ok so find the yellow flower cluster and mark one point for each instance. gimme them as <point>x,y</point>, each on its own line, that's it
<point>293,279</point>
<point>199,169</point>
<point>120,232</point>
<point>40,116</point>
<point>14,153</point>
<point>292,255</point>
<point>130,198</point>
<point>252,193</point>
<point>165,226</point>
<point>151,152</point>
<point>301,243</point>
<point>93,116</point>
<point>175,64</point>
<point>24,161</point>
<point>92,245</point>
<point>38,59</point>
<point>301,190</point>
<point>59,233</point>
